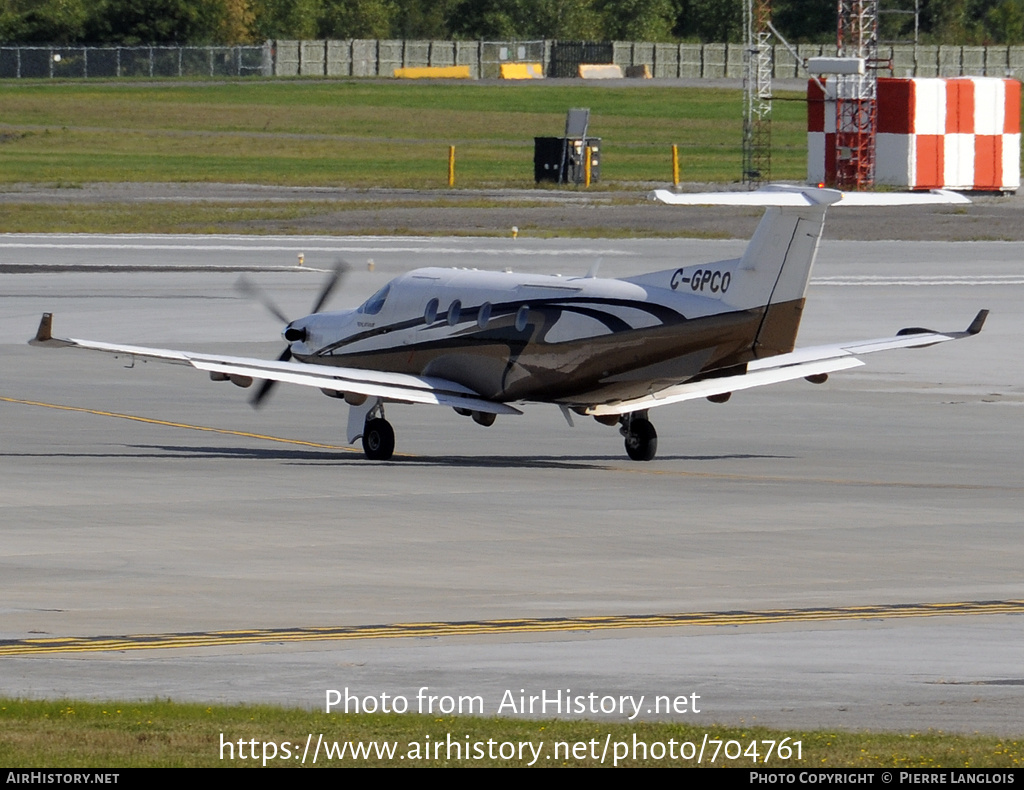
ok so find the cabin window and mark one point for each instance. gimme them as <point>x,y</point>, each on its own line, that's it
<point>521,316</point>
<point>483,315</point>
<point>454,310</point>
<point>373,305</point>
<point>430,314</point>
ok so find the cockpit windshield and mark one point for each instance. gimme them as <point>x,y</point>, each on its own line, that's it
<point>373,305</point>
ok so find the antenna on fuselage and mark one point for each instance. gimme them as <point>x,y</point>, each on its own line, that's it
<point>592,271</point>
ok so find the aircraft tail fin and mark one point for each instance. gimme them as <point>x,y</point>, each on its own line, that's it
<point>772,275</point>
<point>774,272</point>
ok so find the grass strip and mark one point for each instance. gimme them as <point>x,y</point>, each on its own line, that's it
<point>329,218</point>
<point>368,134</point>
<point>71,734</point>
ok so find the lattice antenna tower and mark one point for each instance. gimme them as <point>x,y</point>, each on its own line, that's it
<point>899,21</point>
<point>857,95</point>
<point>757,93</point>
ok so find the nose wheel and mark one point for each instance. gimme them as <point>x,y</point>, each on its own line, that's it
<point>641,438</point>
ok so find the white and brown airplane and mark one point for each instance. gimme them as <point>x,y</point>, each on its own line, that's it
<point>613,349</point>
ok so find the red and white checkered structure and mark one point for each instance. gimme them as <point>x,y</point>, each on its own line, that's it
<point>961,133</point>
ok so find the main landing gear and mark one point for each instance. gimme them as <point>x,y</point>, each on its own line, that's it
<point>378,439</point>
<point>377,434</point>
<point>641,438</point>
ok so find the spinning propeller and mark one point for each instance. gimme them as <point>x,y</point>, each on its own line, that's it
<point>248,288</point>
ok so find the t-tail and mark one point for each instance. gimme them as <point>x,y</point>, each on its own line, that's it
<point>770,279</point>
<point>772,276</point>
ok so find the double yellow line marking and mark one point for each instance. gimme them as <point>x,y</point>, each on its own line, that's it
<point>168,424</point>
<point>52,645</point>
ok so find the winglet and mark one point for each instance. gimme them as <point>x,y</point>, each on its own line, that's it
<point>44,334</point>
<point>973,329</point>
<point>978,322</point>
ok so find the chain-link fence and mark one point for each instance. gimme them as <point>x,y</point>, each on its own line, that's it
<point>76,62</point>
<point>493,54</point>
<point>380,58</point>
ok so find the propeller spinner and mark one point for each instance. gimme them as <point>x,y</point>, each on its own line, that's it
<point>291,334</point>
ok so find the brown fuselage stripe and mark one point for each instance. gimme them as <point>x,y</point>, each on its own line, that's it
<point>52,645</point>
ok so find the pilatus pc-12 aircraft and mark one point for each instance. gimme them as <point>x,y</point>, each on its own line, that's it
<point>479,342</point>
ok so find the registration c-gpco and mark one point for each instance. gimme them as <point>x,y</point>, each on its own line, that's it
<point>703,280</point>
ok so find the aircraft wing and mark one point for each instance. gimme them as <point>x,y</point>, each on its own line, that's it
<point>802,363</point>
<point>397,387</point>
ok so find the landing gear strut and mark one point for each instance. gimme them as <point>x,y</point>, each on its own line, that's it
<point>641,438</point>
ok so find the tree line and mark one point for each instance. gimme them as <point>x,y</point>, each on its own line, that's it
<point>247,21</point>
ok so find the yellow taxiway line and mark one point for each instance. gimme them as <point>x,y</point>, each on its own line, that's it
<point>633,469</point>
<point>168,424</point>
<point>53,645</point>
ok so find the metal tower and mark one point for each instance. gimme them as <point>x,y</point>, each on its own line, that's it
<point>857,95</point>
<point>757,93</point>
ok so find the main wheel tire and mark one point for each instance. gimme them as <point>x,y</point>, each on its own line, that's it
<point>642,441</point>
<point>378,440</point>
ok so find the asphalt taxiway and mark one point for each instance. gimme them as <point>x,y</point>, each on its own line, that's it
<point>144,499</point>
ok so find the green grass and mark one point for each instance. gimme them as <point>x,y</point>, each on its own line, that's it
<point>367,134</point>
<point>163,217</point>
<point>276,217</point>
<point>69,734</point>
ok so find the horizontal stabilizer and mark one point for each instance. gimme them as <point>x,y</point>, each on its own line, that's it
<point>784,195</point>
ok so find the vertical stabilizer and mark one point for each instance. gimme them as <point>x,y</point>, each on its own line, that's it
<point>773,273</point>
<point>777,263</point>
